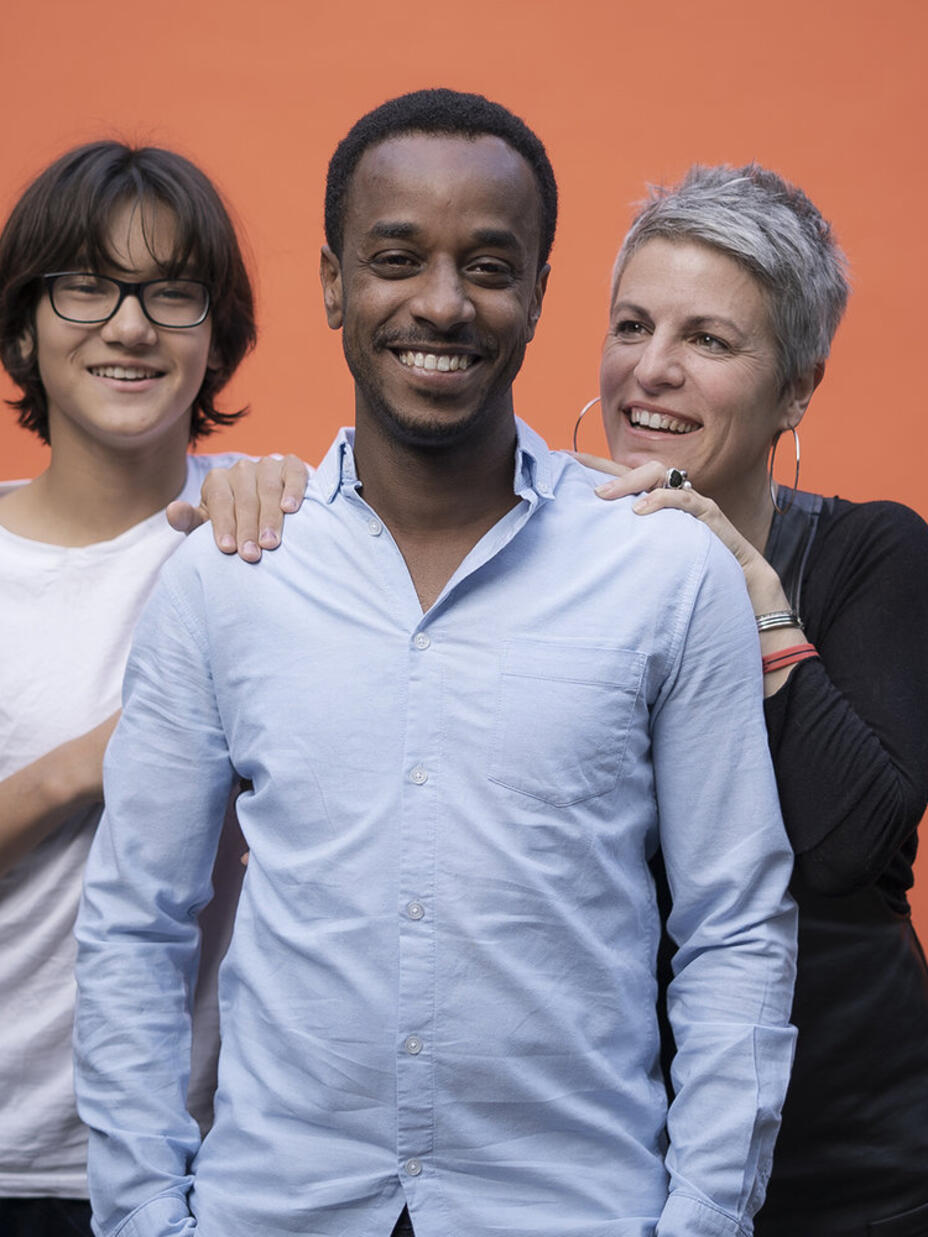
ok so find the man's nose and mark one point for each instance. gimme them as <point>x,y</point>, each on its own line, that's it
<point>442,297</point>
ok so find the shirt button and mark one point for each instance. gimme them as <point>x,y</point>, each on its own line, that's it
<point>413,1045</point>
<point>374,527</point>
<point>421,640</point>
<point>419,776</point>
<point>413,1167</point>
<point>415,910</point>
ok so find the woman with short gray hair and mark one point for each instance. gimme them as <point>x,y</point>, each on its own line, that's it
<point>726,293</point>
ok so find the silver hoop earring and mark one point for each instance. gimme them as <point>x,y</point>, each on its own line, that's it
<point>583,411</point>
<point>774,488</point>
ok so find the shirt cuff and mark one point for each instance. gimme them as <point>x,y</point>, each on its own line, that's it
<point>684,1216</point>
<point>165,1216</point>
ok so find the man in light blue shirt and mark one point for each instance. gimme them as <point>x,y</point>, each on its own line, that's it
<point>472,701</point>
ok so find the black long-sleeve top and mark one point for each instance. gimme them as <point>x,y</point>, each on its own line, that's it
<point>849,739</point>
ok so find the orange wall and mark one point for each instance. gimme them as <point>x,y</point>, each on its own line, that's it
<point>831,94</point>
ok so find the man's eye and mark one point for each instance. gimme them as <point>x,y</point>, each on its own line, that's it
<point>394,263</point>
<point>490,270</point>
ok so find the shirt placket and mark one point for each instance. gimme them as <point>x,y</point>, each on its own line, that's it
<point>418,912</point>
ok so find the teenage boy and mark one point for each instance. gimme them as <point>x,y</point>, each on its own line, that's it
<point>125,307</point>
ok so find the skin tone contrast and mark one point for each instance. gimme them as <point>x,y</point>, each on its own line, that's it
<point>688,378</point>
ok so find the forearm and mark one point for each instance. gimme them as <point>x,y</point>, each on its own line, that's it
<point>38,798</point>
<point>848,800</point>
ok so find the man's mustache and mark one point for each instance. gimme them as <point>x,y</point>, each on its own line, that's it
<point>462,338</point>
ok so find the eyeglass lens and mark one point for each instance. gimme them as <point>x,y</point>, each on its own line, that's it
<point>93,298</point>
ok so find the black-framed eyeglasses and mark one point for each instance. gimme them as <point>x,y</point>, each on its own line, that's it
<point>82,296</point>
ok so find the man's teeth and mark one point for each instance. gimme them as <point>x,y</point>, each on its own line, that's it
<point>435,360</point>
<point>128,373</point>
<point>659,421</point>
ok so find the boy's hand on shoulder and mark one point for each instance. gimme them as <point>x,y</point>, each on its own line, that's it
<point>246,504</point>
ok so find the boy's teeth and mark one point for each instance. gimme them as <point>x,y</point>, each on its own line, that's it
<point>435,361</point>
<point>124,372</point>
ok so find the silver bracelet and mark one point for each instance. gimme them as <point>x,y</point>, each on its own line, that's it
<point>778,618</point>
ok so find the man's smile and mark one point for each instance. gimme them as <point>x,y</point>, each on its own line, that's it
<point>441,362</point>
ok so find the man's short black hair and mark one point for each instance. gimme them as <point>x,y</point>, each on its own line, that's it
<point>437,111</point>
<point>62,221</point>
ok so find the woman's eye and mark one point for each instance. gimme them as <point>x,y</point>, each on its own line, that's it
<point>711,343</point>
<point>629,327</point>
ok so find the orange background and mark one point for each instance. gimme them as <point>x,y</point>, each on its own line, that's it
<point>831,94</point>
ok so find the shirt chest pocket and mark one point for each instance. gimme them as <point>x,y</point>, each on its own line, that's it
<point>563,716</point>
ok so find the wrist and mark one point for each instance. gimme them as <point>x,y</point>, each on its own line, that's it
<point>764,588</point>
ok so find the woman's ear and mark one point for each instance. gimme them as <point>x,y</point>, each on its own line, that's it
<point>799,392</point>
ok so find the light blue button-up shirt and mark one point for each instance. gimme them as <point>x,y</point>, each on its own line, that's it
<point>440,989</point>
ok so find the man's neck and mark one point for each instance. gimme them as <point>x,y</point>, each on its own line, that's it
<point>91,493</point>
<point>437,502</point>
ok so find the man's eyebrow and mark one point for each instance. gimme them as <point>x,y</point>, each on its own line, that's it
<point>497,238</point>
<point>393,230</point>
<point>403,230</point>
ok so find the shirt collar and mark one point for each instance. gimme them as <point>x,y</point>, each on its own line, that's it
<point>337,466</point>
<point>537,469</point>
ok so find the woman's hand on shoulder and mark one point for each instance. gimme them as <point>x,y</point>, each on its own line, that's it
<point>626,480</point>
<point>649,477</point>
<point>246,504</point>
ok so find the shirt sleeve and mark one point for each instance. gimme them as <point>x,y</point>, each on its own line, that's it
<point>728,866</point>
<point>848,732</point>
<point>167,778</point>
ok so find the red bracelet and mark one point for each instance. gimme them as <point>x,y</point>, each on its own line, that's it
<point>788,657</point>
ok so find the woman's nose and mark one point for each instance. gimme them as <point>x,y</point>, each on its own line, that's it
<point>659,363</point>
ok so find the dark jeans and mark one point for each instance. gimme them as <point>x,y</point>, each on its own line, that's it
<point>403,1226</point>
<point>45,1217</point>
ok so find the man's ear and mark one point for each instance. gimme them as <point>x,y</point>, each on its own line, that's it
<point>538,295</point>
<point>799,393</point>
<point>330,273</point>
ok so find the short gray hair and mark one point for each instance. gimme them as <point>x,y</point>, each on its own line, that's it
<point>770,228</point>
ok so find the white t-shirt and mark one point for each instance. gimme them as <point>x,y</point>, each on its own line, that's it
<point>66,621</point>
